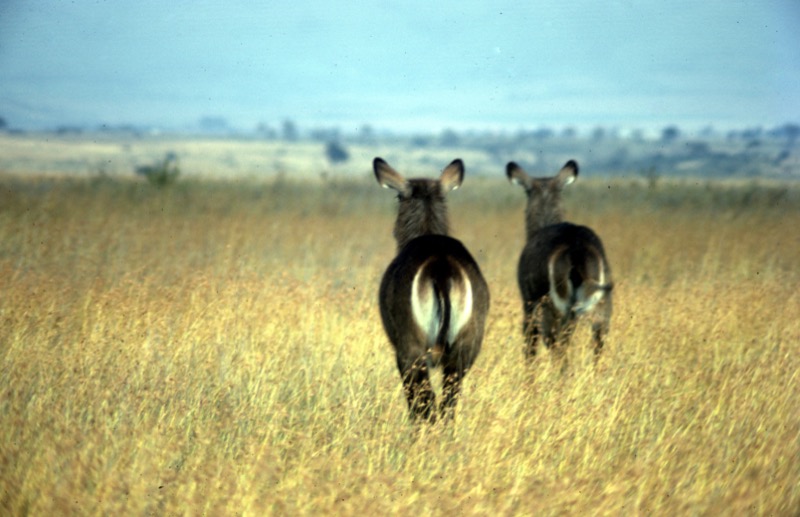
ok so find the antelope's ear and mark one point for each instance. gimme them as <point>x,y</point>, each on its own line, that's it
<point>388,177</point>
<point>452,175</point>
<point>517,174</point>
<point>568,173</point>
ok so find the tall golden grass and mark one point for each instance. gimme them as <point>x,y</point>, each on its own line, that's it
<point>215,348</point>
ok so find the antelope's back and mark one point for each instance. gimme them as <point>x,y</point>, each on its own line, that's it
<point>579,242</point>
<point>428,263</point>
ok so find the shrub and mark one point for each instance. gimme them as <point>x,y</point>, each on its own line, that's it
<point>162,173</point>
<point>336,153</point>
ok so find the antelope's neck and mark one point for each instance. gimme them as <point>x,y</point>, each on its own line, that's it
<point>536,220</point>
<point>432,222</point>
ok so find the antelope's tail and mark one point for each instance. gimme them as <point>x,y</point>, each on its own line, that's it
<point>444,311</point>
<point>441,302</point>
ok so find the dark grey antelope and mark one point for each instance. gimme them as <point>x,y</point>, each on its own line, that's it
<point>563,272</point>
<point>433,297</point>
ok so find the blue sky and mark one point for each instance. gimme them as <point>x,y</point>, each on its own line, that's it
<point>404,66</point>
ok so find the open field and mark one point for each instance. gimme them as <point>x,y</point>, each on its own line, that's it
<point>215,348</point>
<point>216,158</point>
<point>251,157</point>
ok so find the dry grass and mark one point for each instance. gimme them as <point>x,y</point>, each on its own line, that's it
<point>215,348</point>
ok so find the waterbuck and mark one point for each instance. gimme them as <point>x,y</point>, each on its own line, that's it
<point>433,297</point>
<point>563,271</point>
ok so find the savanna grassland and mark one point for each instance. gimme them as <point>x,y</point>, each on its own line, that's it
<point>215,348</point>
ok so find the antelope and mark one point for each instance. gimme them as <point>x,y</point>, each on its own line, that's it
<point>433,298</point>
<point>563,272</point>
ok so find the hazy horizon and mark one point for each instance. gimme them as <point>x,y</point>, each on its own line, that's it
<point>402,67</point>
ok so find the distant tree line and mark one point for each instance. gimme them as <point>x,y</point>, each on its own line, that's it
<point>748,151</point>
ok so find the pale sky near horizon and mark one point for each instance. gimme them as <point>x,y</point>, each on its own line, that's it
<point>404,66</point>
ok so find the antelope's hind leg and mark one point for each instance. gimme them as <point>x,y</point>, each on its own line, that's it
<point>601,322</point>
<point>417,388</point>
<point>451,388</point>
<point>455,366</point>
<point>556,332</point>
<point>530,329</point>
